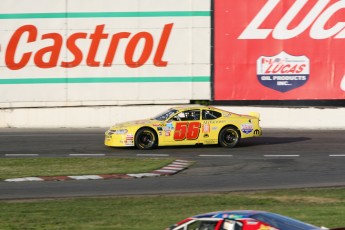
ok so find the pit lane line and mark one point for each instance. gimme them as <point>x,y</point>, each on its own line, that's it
<point>48,134</point>
<point>154,155</point>
<point>86,155</point>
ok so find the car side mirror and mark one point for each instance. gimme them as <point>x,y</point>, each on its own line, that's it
<point>230,224</point>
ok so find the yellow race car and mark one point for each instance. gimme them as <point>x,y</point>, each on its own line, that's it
<point>185,126</point>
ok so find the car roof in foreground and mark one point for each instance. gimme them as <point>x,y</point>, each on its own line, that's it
<point>229,214</point>
<point>268,216</point>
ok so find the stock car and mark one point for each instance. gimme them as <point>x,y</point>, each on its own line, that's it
<point>185,126</point>
<point>242,220</point>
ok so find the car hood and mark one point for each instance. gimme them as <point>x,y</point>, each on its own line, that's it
<point>135,123</point>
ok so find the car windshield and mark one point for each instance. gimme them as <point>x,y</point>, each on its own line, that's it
<point>165,115</point>
<point>283,222</point>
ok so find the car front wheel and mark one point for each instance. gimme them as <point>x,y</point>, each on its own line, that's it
<point>229,137</point>
<point>145,139</point>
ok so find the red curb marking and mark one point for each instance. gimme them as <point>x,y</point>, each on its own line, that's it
<point>115,176</point>
<point>164,173</point>
<point>173,168</point>
<point>55,178</point>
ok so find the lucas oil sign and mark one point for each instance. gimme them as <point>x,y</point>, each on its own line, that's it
<point>283,72</point>
<point>279,49</point>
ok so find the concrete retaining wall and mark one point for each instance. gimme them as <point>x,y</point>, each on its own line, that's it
<point>104,116</point>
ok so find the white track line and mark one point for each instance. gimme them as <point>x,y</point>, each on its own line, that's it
<point>281,155</point>
<point>152,155</point>
<point>337,155</point>
<point>21,155</point>
<point>215,155</point>
<point>84,154</point>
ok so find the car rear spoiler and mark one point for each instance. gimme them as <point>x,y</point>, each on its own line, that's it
<point>254,114</point>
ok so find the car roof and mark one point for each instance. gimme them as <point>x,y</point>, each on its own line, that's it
<point>183,107</point>
<point>230,214</point>
<point>188,107</point>
<point>243,214</point>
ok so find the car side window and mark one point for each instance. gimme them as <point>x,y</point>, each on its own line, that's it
<point>210,115</point>
<point>202,225</point>
<point>188,115</point>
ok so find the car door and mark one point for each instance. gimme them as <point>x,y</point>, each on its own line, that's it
<point>185,128</point>
<point>211,126</point>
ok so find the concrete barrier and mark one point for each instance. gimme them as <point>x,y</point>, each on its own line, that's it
<point>104,116</point>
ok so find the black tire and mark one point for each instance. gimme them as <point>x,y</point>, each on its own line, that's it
<point>145,139</point>
<point>229,137</point>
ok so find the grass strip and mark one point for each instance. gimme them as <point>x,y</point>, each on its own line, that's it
<point>321,207</point>
<point>31,167</point>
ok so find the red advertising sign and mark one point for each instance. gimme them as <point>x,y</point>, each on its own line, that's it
<point>279,49</point>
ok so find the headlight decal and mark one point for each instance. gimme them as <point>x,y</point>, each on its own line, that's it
<point>117,131</point>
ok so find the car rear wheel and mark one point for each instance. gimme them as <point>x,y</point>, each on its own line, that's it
<point>145,139</point>
<point>229,137</point>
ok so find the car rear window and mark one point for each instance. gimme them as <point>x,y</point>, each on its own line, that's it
<point>282,222</point>
<point>210,114</point>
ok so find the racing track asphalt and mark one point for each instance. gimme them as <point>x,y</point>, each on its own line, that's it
<point>279,159</point>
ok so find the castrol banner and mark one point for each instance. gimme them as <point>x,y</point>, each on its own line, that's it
<point>100,52</point>
<point>279,49</point>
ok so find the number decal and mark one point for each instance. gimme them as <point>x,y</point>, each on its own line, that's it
<point>180,131</point>
<point>187,130</point>
<point>193,131</point>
